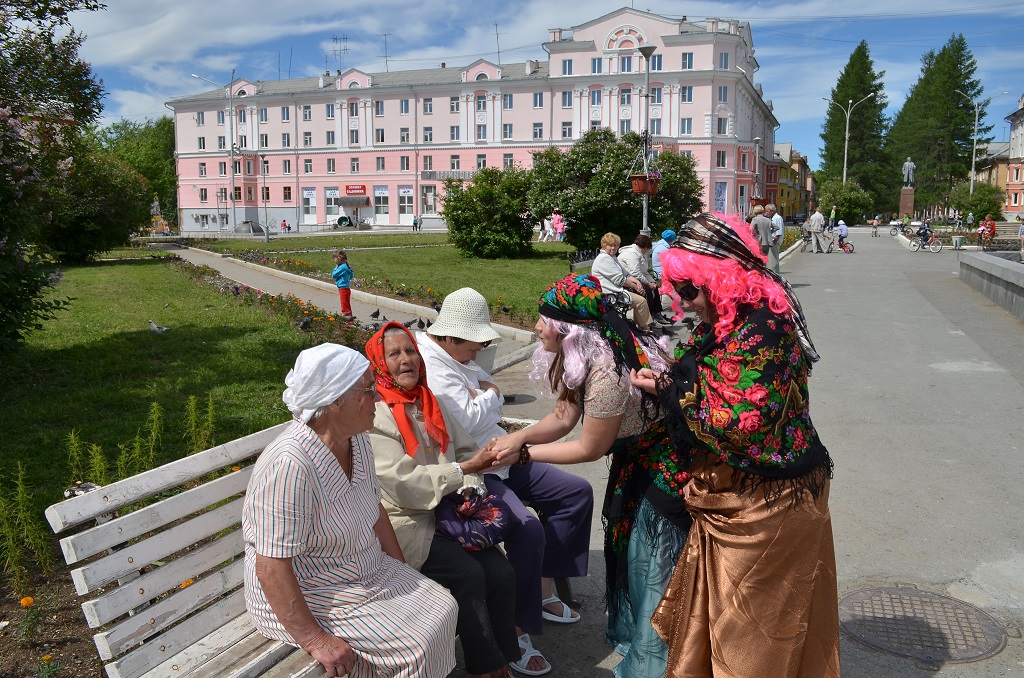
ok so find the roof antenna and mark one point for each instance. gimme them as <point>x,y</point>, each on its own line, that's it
<point>497,42</point>
<point>385,55</point>
<point>340,52</point>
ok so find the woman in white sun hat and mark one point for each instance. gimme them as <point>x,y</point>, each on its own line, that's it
<point>557,545</point>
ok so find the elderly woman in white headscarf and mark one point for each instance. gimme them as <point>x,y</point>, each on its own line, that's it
<point>323,569</point>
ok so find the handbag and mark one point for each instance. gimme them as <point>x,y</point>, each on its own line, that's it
<point>474,522</point>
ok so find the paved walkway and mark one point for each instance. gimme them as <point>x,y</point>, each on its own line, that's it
<point>919,397</point>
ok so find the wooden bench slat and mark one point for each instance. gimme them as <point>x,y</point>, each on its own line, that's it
<point>138,627</point>
<point>138,555</point>
<point>109,498</point>
<point>296,665</point>
<point>187,639</point>
<point>82,545</point>
<point>124,598</point>
<point>251,658</point>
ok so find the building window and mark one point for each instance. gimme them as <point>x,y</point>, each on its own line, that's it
<point>428,106</point>
<point>481,161</point>
<point>201,143</point>
<point>265,167</point>
<point>307,166</point>
<point>250,194</point>
<point>655,62</point>
<point>378,109</point>
<point>236,167</point>
<point>378,135</point>
<point>625,96</point>
<point>428,196</point>
<point>241,116</point>
<point>286,167</point>
<point>353,165</point>
<point>202,169</point>
<point>220,117</point>
<point>264,140</point>
<point>307,139</point>
<point>428,163</point>
<point>286,140</point>
<point>566,66</point>
<point>403,107</point>
<point>222,195</point>
<point>538,99</point>
<point>264,114</point>
<point>687,61</point>
<point>329,138</point>
<point>595,97</point>
<point>453,163</point>
<point>307,112</point>
<point>405,199</point>
<point>1016,174</point>
<point>743,163</point>
<point>686,94</point>
<point>453,133</point>
<point>353,109</point>
<point>506,102</point>
<point>720,158</point>
<point>203,195</point>
<point>506,131</point>
<point>481,102</point>
<point>200,118</point>
<point>453,105</point>
<point>332,206</point>
<point>380,204</point>
<point>353,137</point>
<point>237,193</point>
<point>596,64</point>
<point>655,125</point>
<point>248,167</point>
<point>538,130</point>
<point>566,130</point>
<point>655,95</point>
<point>625,64</point>
<point>624,127</point>
<point>428,134</point>
<point>286,114</point>
<point>222,143</point>
<point>595,124</point>
<point>567,99</point>
<point>331,166</point>
<point>481,132</point>
<point>380,163</point>
<point>723,61</point>
<point>243,142</point>
<point>403,163</point>
<point>403,135</point>
<point>723,125</point>
<point>506,161</point>
<point>723,94</point>
<point>286,194</point>
<point>329,111</point>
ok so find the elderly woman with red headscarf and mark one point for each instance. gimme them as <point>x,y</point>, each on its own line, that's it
<point>754,591</point>
<point>421,456</point>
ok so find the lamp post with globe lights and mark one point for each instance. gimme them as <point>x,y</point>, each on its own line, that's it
<point>647,51</point>
<point>848,110</point>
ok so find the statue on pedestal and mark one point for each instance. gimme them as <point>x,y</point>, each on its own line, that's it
<point>908,172</point>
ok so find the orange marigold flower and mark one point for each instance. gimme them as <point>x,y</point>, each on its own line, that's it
<point>47,658</point>
<point>188,582</point>
<point>236,468</point>
<point>28,601</point>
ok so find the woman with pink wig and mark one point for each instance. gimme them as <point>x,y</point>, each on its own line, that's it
<point>754,591</point>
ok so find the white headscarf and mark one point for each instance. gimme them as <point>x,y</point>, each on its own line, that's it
<point>321,375</point>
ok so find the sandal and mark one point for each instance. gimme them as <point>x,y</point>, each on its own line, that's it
<point>529,653</point>
<point>564,618</point>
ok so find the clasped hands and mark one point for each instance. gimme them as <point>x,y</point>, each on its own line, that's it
<point>490,456</point>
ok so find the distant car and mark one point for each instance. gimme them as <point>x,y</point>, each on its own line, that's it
<point>798,219</point>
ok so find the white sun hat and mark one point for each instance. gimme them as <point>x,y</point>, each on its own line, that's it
<point>464,315</point>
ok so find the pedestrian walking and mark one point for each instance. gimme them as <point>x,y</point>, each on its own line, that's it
<point>342,275</point>
<point>816,225</point>
<point>415,224</point>
<point>559,225</point>
<point>778,231</point>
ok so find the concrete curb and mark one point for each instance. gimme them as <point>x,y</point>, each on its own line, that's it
<point>506,332</point>
<point>513,358</point>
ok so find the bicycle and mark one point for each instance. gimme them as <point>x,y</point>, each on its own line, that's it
<point>899,228</point>
<point>846,247</point>
<point>934,244</point>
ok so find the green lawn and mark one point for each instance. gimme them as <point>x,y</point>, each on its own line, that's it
<point>97,367</point>
<point>324,242</point>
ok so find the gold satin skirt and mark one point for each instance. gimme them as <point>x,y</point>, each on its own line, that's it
<point>754,592</point>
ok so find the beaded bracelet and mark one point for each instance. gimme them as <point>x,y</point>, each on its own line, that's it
<point>524,455</point>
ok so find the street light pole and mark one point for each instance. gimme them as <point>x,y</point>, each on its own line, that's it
<point>266,223</point>
<point>974,146</point>
<point>647,51</point>
<point>231,139</point>
<point>848,110</point>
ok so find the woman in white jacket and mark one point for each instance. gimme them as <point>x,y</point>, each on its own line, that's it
<point>615,279</point>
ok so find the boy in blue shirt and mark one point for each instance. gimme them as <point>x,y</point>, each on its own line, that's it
<point>342,275</point>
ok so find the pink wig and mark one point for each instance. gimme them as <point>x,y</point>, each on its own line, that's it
<point>724,281</point>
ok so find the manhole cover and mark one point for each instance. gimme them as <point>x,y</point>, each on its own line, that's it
<point>925,626</point>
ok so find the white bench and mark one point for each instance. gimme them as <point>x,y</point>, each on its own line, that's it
<point>163,579</point>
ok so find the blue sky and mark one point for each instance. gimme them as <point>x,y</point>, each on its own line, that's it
<point>145,52</point>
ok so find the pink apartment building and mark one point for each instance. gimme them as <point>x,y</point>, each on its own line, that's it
<point>1014,206</point>
<point>378,146</point>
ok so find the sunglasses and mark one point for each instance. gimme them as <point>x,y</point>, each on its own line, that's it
<point>688,292</point>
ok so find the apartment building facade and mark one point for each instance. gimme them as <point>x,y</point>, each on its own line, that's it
<point>378,146</point>
<point>1014,206</point>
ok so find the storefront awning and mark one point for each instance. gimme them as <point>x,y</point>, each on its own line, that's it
<point>354,201</point>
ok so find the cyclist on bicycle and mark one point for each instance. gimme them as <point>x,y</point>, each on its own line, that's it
<point>925,231</point>
<point>844,232</point>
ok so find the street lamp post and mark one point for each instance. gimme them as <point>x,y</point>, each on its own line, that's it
<point>848,110</point>
<point>231,138</point>
<point>647,51</point>
<point>266,223</point>
<point>756,195</point>
<point>974,149</point>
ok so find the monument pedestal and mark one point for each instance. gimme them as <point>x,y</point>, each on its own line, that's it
<point>907,201</point>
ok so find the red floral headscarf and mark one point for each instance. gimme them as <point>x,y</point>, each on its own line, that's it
<point>397,397</point>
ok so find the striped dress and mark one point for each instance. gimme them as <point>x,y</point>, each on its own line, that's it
<point>301,505</point>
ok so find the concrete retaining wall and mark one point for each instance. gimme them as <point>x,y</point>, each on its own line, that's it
<point>1000,280</point>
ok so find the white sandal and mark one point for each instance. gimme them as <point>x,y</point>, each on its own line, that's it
<point>564,618</point>
<point>529,653</point>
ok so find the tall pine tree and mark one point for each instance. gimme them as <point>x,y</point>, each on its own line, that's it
<point>935,126</point>
<point>866,162</point>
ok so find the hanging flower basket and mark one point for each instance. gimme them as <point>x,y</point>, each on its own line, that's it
<point>645,183</point>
